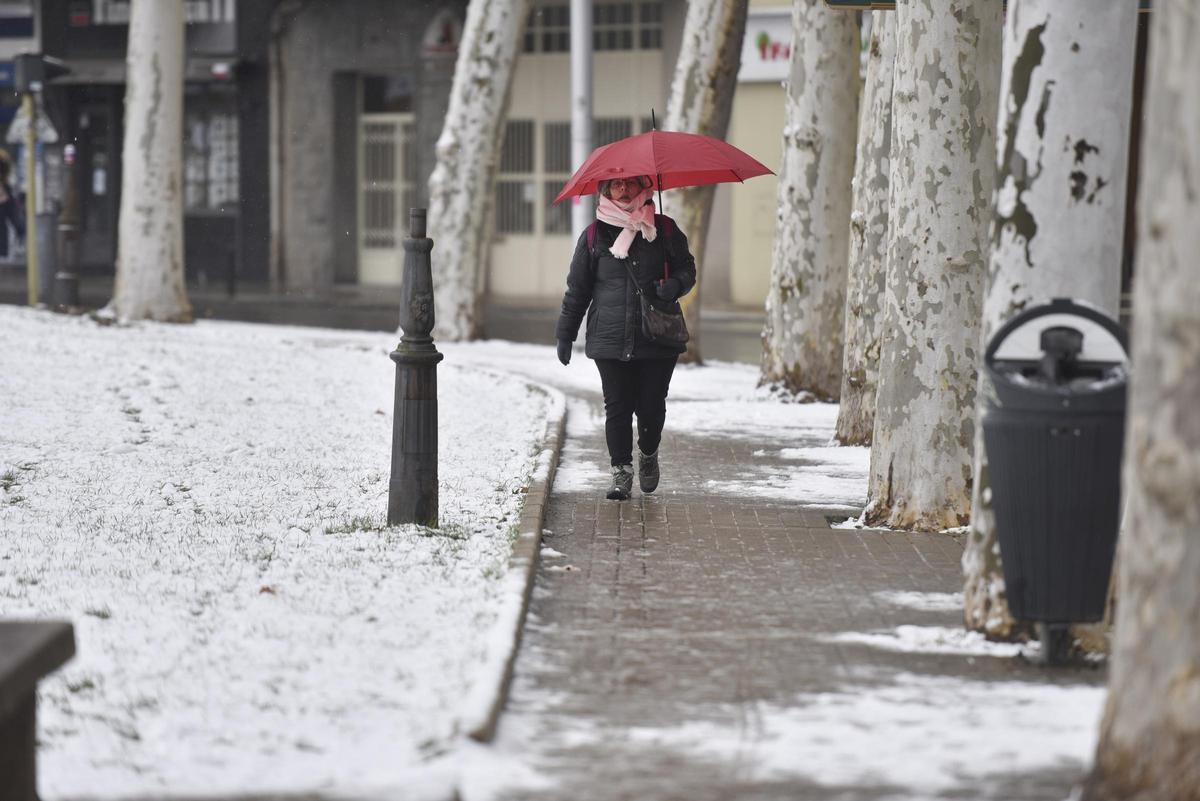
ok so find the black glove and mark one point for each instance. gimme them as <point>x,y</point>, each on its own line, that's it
<point>668,289</point>
<point>564,351</point>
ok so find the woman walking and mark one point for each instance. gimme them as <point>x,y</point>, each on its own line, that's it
<point>623,251</point>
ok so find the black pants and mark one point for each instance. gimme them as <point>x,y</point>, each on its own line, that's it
<point>634,387</point>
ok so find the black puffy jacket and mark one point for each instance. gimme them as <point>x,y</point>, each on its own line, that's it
<point>600,286</point>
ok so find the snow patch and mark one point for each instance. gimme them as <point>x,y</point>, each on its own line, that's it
<point>929,640</point>
<point>822,477</point>
<point>923,601</point>
<point>868,735</point>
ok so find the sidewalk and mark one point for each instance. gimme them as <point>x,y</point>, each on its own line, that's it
<point>698,645</point>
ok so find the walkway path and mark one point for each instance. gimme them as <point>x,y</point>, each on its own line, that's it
<point>699,645</point>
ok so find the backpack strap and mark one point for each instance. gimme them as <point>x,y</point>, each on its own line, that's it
<point>666,224</point>
<point>667,227</point>
<point>591,236</point>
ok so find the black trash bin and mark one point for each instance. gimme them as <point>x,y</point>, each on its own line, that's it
<point>1054,426</point>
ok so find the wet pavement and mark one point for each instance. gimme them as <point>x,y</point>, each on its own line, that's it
<point>698,645</point>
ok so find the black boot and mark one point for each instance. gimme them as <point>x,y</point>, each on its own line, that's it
<point>622,482</point>
<point>648,471</point>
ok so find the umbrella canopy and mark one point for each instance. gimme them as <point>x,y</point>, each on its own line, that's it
<point>671,158</point>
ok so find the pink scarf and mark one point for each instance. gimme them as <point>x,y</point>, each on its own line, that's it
<point>635,217</point>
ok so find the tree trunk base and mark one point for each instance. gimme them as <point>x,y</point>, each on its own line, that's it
<point>1163,765</point>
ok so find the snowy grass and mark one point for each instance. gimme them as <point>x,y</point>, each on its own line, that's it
<point>207,505</point>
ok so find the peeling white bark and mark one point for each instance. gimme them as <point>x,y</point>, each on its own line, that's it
<point>802,336</point>
<point>1062,159</point>
<point>867,269</point>
<point>150,278</point>
<point>1149,746</point>
<point>943,167</point>
<point>462,185</point>
<point>701,102</point>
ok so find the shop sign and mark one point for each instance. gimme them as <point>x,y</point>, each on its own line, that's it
<point>767,46</point>
<point>442,35</point>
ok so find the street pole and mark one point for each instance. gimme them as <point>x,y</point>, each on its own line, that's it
<point>66,280</point>
<point>581,105</point>
<point>31,251</point>
<point>413,488</point>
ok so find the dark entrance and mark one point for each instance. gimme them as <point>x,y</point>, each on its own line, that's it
<point>96,126</point>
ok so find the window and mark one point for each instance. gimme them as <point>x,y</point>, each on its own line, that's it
<point>210,157</point>
<point>557,169</point>
<point>549,29</point>
<point>557,147</point>
<point>535,163</point>
<point>558,216</point>
<point>514,180</point>
<point>116,12</point>
<point>650,26</point>
<point>616,25</point>
<point>607,130</point>
<point>612,26</point>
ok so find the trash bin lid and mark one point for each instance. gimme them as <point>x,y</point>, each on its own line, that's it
<point>1023,357</point>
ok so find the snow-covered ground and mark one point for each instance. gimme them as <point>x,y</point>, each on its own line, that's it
<point>206,504</point>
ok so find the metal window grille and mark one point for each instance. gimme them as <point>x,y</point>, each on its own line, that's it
<point>548,29</point>
<point>558,217</point>
<point>379,184</point>
<point>408,155</point>
<point>607,130</point>
<point>514,207</point>
<point>515,196</point>
<point>210,160</point>
<point>557,153</point>
<point>517,153</point>
<point>387,188</point>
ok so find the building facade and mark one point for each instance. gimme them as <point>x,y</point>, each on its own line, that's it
<point>310,128</point>
<point>358,95</point>
<point>226,222</point>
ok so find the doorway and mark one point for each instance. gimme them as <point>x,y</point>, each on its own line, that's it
<point>99,183</point>
<point>386,191</point>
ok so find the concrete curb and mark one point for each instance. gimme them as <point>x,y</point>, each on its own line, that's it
<point>522,565</point>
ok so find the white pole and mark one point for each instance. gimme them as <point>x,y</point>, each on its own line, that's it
<point>581,105</point>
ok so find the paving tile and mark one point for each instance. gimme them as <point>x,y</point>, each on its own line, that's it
<point>690,608</point>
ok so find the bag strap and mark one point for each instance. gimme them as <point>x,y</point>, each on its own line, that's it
<point>632,277</point>
<point>591,236</point>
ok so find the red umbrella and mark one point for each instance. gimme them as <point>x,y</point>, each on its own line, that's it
<point>671,158</point>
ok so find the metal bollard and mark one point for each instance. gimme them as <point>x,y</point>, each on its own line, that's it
<point>413,489</point>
